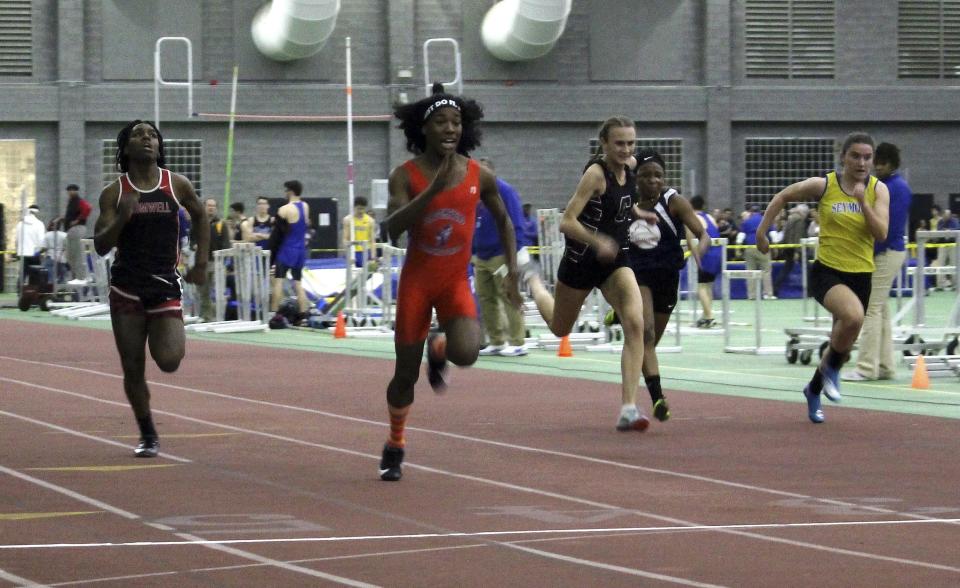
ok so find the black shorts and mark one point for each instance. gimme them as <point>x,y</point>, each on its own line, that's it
<point>704,277</point>
<point>588,273</point>
<point>281,270</point>
<point>149,295</point>
<point>822,278</point>
<point>663,284</point>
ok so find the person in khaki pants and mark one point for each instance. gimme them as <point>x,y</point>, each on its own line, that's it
<point>875,359</point>
<point>502,321</point>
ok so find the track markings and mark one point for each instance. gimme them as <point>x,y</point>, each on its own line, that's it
<point>29,516</point>
<point>104,468</point>
<point>465,534</point>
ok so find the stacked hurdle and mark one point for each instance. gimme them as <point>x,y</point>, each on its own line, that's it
<point>251,271</point>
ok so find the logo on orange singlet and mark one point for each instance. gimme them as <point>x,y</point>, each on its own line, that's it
<point>438,228</point>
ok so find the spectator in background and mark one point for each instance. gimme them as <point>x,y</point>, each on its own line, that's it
<point>488,270</point>
<point>54,250</point>
<point>235,220</point>
<point>710,264</point>
<point>364,231</point>
<point>293,220</point>
<point>945,255</point>
<point>531,231</point>
<point>75,221</point>
<point>256,228</point>
<point>29,237</point>
<point>793,230</point>
<point>219,239</point>
<point>753,257</point>
<point>727,228</point>
<point>875,360</point>
<point>931,225</point>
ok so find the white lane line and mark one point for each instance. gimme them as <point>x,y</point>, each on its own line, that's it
<point>471,534</point>
<point>564,497</point>
<point>546,493</point>
<point>18,581</point>
<point>86,435</point>
<point>231,550</point>
<point>505,445</point>
<point>614,568</point>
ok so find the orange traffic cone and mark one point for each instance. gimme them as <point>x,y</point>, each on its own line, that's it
<point>340,330</point>
<point>565,350</point>
<point>921,379</point>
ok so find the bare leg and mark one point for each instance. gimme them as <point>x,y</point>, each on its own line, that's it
<point>167,341</point>
<point>847,313</point>
<point>302,301</point>
<point>130,335</point>
<point>705,294</point>
<point>277,294</point>
<point>560,313</point>
<point>623,294</point>
<point>463,340</point>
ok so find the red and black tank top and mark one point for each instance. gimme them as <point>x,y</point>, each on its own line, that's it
<point>149,242</point>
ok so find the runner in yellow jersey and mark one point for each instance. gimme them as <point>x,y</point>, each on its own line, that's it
<point>853,209</point>
<point>364,227</point>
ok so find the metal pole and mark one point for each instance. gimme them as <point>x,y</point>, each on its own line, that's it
<point>229,172</point>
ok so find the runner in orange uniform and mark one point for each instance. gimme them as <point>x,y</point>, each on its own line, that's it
<point>434,197</point>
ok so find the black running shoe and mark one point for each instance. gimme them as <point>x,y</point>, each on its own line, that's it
<point>391,463</point>
<point>661,411</point>
<point>437,362</point>
<point>148,447</point>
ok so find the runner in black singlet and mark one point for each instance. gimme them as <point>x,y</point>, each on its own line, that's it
<point>139,216</point>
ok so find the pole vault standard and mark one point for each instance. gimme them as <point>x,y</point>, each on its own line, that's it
<point>232,118</point>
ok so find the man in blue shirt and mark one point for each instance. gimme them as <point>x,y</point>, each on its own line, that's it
<point>875,359</point>
<point>502,321</point>
<point>753,258</point>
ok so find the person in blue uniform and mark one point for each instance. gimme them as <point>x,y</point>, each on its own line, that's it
<point>139,216</point>
<point>293,219</point>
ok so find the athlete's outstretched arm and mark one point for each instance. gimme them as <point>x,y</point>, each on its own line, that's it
<point>808,190</point>
<point>114,214</point>
<point>508,240</point>
<point>200,227</point>
<point>403,211</point>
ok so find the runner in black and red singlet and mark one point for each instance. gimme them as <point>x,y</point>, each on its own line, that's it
<point>139,215</point>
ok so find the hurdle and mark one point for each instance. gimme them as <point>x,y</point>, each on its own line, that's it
<point>806,244</point>
<point>757,347</point>
<point>251,273</point>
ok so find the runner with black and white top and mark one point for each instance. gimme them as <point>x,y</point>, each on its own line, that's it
<point>595,224</point>
<point>656,257</point>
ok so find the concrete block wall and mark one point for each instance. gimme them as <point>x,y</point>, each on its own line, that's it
<point>539,117</point>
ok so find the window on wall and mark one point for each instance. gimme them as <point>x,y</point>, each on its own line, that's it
<point>775,163</point>
<point>670,149</point>
<point>16,38</point>
<point>928,39</point>
<point>182,156</point>
<point>790,39</point>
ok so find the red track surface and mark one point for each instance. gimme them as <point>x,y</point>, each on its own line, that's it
<point>284,445</point>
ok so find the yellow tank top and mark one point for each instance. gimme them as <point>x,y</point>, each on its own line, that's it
<point>846,244</point>
<point>362,229</point>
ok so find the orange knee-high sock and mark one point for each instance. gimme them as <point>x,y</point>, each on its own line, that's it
<point>398,420</point>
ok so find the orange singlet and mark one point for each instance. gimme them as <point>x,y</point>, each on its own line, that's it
<point>435,272</point>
